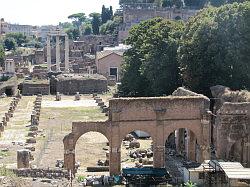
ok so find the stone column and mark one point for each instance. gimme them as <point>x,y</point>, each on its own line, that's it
<point>66,54</point>
<point>58,53</point>
<point>48,53</point>
<point>191,144</point>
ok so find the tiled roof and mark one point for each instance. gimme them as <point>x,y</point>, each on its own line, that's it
<point>102,54</point>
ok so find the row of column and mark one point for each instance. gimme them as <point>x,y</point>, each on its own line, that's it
<point>58,58</point>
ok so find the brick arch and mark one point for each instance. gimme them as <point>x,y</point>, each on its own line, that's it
<point>80,129</point>
<point>194,126</point>
<point>147,127</point>
<point>156,116</point>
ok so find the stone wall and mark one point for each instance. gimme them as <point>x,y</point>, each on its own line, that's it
<point>84,84</point>
<point>36,88</point>
<point>233,132</point>
<point>42,173</point>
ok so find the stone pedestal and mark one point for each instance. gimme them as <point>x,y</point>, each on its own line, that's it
<point>23,159</point>
<point>58,96</point>
<point>77,96</point>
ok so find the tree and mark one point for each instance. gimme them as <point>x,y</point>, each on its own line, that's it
<point>107,14</point>
<point>19,38</point>
<point>111,27</point>
<point>195,3</point>
<point>95,22</point>
<point>73,33</point>
<point>167,3</point>
<point>2,55</point>
<point>10,44</point>
<point>215,48</point>
<point>78,19</point>
<point>87,29</point>
<point>151,67</point>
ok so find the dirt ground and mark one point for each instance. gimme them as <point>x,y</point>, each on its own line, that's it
<point>14,135</point>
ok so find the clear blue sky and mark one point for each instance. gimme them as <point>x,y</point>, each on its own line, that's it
<point>43,12</point>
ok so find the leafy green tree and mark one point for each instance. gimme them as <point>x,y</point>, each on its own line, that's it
<point>73,33</point>
<point>111,27</point>
<point>95,22</point>
<point>78,19</point>
<point>215,48</point>
<point>19,38</point>
<point>87,29</point>
<point>151,67</point>
<point>10,44</point>
<point>178,3</point>
<point>167,3</point>
<point>196,3</point>
<point>107,14</point>
<point>2,55</point>
<point>217,2</point>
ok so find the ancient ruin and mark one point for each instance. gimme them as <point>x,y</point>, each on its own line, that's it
<point>157,116</point>
<point>70,84</point>
<point>58,34</point>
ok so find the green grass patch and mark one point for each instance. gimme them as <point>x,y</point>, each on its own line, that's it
<point>4,153</point>
<point>6,172</point>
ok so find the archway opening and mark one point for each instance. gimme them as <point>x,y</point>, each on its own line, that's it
<point>9,92</point>
<point>91,152</point>
<point>181,150</point>
<point>137,150</point>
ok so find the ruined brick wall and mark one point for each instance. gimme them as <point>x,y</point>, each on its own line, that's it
<point>34,89</point>
<point>82,84</point>
<point>233,132</point>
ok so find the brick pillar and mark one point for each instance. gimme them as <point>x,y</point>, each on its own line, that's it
<point>205,145</point>
<point>191,145</point>
<point>159,156</point>
<point>115,161</point>
<point>180,140</point>
<point>115,147</point>
<point>69,160</point>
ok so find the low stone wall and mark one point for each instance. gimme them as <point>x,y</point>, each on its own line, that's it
<point>34,89</point>
<point>42,173</point>
<point>84,84</point>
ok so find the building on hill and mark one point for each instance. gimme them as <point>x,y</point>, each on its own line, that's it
<point>135,13</point>
<point>27,30</point>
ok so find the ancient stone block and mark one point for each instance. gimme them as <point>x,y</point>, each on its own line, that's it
<point>23,159</point>
<point>31,140</point>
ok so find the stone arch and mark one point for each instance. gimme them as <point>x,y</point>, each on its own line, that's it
<point>146,146</point>
<point>79,129</point>
<point>88,144</point>
<point>193,125</point>
<point>185,144</point>
<point>131,127</point>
